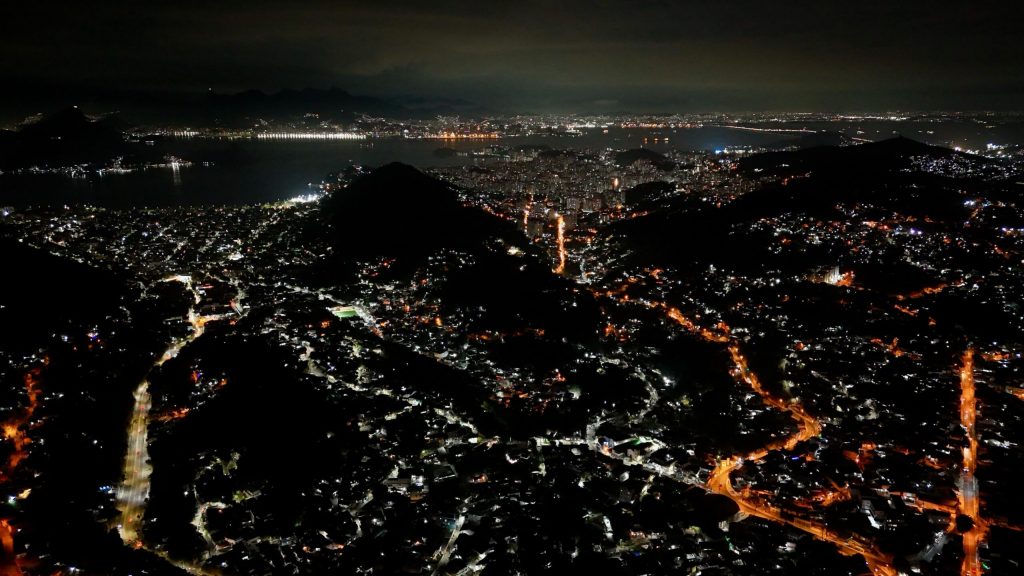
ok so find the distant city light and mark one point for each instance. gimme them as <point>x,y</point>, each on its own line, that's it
<point>310,136</point>
<point>304,198</point>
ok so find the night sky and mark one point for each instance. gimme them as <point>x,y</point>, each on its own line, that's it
<point>532,55</point>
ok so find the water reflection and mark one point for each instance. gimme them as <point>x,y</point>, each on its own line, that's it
<point>255,171</point>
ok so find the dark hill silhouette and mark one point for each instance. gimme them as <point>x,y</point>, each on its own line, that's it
<point>46,291</point>
<point>813,139</point>
<point>868,176</point>
<point>629,157</point>
<point>67,136</point>
<point>332,103</point>
<point>648,192</point>
<point>874,172</point>
<point>241,109</point>
<point>554,153</point>
<point>864,160</point>
<point>398,211</point>
<point>66,122</point>
<point>71,124</point>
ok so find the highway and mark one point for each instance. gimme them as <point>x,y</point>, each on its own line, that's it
<point>560,242</point>
<point>134,490</point>
<point>968,495</point>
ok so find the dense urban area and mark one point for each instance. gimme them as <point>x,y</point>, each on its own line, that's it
<point>798,359</point>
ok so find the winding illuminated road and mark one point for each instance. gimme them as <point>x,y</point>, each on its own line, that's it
<point>134,490</point>
<point>720,480</point>
<point>808,427</point>
<point>14,432</point>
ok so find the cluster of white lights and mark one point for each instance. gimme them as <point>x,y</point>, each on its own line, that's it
<point>310,136</point>
<point>304,198</point>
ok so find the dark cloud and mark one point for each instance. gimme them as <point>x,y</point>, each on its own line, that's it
<point>663,55</point>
